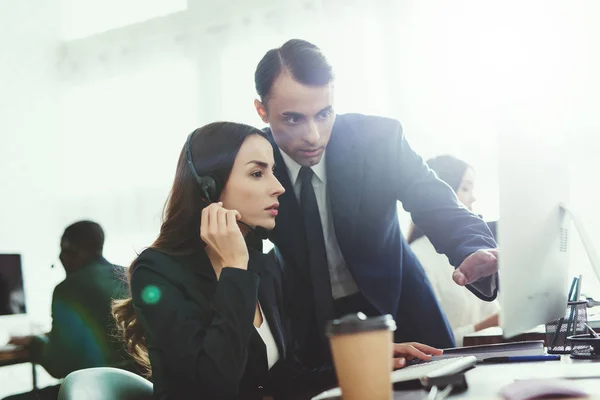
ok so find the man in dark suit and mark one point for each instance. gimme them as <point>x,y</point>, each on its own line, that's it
<point>337,232</point>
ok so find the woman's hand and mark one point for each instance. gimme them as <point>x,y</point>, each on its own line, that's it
<point>409,351</point>
<point>224,240</point>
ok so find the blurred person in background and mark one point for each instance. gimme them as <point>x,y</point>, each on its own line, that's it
<point>465,311</point>
<point>82,334</point>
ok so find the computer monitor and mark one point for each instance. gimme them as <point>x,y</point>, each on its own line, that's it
<point>12,295</point>
<point>533,228</point>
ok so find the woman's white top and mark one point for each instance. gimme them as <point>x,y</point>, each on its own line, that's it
<point>463,309</point>
<point>264,330</point>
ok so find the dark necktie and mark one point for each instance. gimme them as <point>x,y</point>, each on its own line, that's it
<point>317,254</point>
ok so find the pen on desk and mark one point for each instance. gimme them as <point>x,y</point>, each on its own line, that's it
<point>507,359</point>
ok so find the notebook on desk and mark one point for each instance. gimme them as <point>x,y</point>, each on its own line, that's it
<point>527,348</point>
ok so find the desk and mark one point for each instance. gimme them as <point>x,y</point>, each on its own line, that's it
<point>486,380</point>
<point>13,355</point>
<point>494,335</point>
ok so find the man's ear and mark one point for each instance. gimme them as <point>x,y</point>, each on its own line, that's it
<point>261,110</point>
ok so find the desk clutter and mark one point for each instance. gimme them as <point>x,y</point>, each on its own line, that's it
<point>573,323</point>
<point>571,333</point>
<point>445,375</point>
<point>585,346</point>
<point>518,370</point>
<point>441,377</point>
<point>513,381</point>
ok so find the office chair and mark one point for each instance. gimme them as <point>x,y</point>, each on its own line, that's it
<point>104,383</point>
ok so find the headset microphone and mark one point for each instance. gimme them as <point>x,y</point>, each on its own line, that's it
<point>259,231</point>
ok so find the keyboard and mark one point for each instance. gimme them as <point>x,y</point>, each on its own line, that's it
<point>430,369</point>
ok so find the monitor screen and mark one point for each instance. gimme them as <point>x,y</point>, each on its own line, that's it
<point>12,295</point>
<point>534,181</point>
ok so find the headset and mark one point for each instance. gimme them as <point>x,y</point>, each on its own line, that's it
<point>211,187</point>
<point>208,184</point>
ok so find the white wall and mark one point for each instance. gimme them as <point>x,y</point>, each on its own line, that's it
<point>29,135</point>
<point>470,71</point>
<point>29,158</point>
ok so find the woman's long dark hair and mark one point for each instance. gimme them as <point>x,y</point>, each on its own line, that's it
<point>450,170</point>
<point>214,148</point>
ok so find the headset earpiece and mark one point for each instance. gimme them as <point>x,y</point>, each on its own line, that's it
<point>208,185</point>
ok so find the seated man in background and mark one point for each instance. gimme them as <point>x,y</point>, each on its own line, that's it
<point>465,311</point>
<point>82,334</point>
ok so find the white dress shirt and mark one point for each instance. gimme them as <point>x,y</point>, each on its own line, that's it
<point>342,282</point>
<point>264,330</point>
<point>463,309</point>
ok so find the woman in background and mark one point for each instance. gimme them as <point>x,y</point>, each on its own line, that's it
<point>466,313</point>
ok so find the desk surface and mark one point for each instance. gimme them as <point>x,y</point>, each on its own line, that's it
<point>10,355</point>
<point>486,381</point>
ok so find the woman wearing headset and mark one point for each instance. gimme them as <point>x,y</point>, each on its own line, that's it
<point>206,314</point>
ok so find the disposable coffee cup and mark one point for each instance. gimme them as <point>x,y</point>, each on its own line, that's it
<point>362,350</point>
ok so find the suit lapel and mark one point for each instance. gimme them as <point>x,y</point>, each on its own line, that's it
<point>289,232</point>
<point>345,172</point>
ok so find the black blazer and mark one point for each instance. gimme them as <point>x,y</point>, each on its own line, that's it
<point>200,334</point>
<point>370,167</point>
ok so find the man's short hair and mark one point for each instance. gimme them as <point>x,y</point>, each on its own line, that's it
<point>302,59</point>
<point>85,235</point>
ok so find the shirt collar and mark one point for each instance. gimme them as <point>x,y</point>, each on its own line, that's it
<point>293,168</point>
